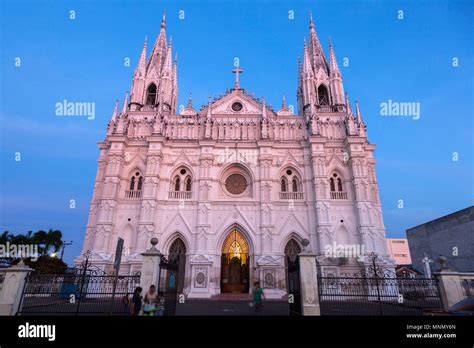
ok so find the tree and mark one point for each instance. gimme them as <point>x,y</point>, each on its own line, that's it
<point>51,240</point>
<point>5,237</point>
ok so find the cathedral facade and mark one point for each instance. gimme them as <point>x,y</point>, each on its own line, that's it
<point>235,187</point>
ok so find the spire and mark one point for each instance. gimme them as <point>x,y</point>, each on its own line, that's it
<point>190,100</point>
<point>315,49</point>
<point>264,108</point>
<point>163,20</point>
<point>333,67</point>
<point>125,104</point>
<point>307,69</point>
<point>141,66</point>
<point>114,114</point>
<point>348,105</point>
<point>283,103</point>
<point>358,115</point>
<point>209,108</point>
<point>159,48</point>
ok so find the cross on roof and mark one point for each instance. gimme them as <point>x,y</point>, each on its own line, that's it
<point>236,71</point>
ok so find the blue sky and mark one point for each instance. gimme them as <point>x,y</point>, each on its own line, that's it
<point>408,60</point>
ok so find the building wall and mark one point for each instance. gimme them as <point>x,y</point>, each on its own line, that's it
<point>451,236</point>
<point>399,250</point>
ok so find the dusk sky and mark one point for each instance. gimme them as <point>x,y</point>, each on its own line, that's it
<point>425,58</point>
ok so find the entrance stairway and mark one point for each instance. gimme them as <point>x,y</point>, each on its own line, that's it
<point>229,296</point>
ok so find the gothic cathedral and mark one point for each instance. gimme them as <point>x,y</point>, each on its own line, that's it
<point>235,187</point>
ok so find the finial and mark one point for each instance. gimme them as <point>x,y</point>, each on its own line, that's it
<point>311,24</point>
<point>236,71</point>
<point>163,20</point>
<point>190,100</point>
<point>114,114</point>
<point>283,104</point>
<point>330,42</point>
<point>171,41</point>
<point>125,104</point>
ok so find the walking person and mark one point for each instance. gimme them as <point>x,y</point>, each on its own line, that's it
<point>136,303</point>
<point>257,297</point>
<point>160,304</point>
<point>149,302</point>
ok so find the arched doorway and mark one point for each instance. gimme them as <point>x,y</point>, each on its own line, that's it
<point>235,263</point>
<point>292,265</point>
<point>177,255</point>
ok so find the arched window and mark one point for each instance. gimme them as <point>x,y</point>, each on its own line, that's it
<point>294,184</point>
<point>188,184</point>
<point>337,187</point>
<point>331,184</point>
<point>290,187</point>
<point>339,184</point>
<point>292,247</point>
<point>284,185</point>
<point>151,94</point>
<point>182,185</point>
<point>136,184</point>
<point>177,183</point>
<point>323,95</point>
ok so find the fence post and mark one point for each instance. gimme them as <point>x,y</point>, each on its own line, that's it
<point>150,271</point>
<point>309,284</point>
<point>12,283</point>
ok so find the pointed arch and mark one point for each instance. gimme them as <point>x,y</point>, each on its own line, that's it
<point>222,237</point>
<point>323,95</point>
<point>151,94</point>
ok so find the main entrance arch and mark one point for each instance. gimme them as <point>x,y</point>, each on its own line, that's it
<point>235,262</point>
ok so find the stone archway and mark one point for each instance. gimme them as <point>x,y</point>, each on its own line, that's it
<point>235,263</point>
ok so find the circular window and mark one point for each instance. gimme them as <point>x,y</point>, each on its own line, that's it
<point>137,173</point>
<point>183,171</point>
<point>289,172</point>
<point>236,184</point>
<point>237,106</point>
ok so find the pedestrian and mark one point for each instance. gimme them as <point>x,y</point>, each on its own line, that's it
<point>136,304</point>
<point>160,304</point>
<point>257,296</point>
<point>149,302</point>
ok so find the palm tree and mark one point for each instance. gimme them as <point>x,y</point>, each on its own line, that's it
<point>5,237</point>
<point>48,240</point>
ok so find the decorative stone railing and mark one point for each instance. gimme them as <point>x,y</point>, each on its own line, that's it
<point>291,195</point>
<point>180,194</point>
<point>338,195</point>
<point>133,193</point>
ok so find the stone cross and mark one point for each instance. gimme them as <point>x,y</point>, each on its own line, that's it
<point>236,71</point>
<point>426,265</point>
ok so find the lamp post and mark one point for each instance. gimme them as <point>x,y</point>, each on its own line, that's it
<point>65,244</point>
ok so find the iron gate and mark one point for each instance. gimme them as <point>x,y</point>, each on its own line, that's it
<point>77,294</point>
<point>169,282</point>
<point>293,270</point>
<point>377,295</point>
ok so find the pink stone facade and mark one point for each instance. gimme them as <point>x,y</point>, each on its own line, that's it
<point>275,175</point>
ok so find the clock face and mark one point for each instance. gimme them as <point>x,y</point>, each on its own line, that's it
<point>236,184</point>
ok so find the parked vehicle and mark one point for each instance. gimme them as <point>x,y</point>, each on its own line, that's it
<point>464,307</point>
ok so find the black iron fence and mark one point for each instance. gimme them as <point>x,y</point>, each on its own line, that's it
<point>76,294</point>
<point>377,296</point>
